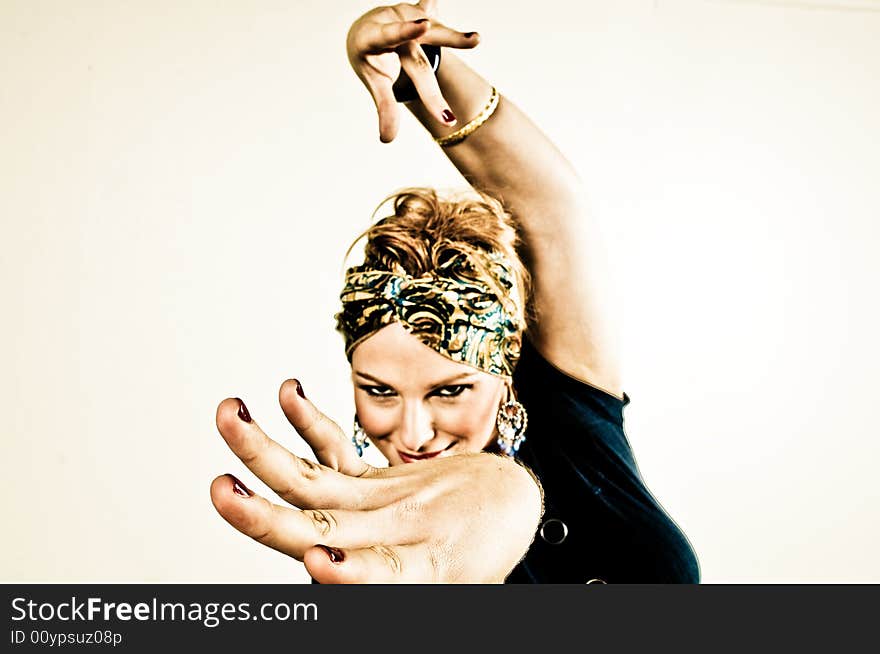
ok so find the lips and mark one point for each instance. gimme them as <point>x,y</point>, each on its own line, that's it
<point>410,458</point>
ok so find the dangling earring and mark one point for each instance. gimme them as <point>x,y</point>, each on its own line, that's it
<point>360,437</point>
<point>511,422</point>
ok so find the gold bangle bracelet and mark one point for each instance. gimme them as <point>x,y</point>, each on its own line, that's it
<point>461,134</point>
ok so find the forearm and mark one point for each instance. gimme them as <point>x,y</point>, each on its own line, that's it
<point>508,156</point>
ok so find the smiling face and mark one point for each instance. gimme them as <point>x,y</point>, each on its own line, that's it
<point>414,403</point>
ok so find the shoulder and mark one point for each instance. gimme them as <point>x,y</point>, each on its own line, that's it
<point>543,359</point>
<point>570,419</point>
<point>602,374</point>
<point>539,379</point>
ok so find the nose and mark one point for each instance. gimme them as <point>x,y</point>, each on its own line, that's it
<point>416,426</point>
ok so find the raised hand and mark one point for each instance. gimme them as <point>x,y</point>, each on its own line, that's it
<point>386,39</point>
<point>465,518</point>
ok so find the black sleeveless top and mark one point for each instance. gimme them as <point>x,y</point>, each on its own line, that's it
<point>601,523</point>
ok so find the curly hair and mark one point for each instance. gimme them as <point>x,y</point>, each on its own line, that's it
<point>426,229</point>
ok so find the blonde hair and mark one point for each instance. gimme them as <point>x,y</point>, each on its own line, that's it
<point>426,229</point>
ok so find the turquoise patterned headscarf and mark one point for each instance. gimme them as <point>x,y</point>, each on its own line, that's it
<point>468,313</point>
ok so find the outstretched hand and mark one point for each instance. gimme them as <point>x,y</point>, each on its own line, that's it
<point>386,39</point>
<point>465,518</point>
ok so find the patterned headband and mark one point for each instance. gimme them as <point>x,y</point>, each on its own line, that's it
<point>454,309</point>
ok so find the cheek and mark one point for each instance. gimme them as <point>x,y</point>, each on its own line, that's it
<point>472,421</point>
<point>376,421</point>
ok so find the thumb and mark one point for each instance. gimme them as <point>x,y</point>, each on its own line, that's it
<point>429,7</point>
<point>328,442</point>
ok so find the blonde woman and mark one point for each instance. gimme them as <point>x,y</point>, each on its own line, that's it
<point>482,356</point>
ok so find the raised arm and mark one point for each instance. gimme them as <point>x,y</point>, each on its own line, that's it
<point>511,159</point>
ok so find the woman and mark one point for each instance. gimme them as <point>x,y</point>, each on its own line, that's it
<point>453,276</point>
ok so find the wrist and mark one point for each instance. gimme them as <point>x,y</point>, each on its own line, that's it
<point>464,90</point>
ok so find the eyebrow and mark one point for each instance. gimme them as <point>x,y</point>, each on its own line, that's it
<point>446,382</point>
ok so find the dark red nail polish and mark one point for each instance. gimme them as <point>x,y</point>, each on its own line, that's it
<point>448,116</point>
<point>242,411</point>
<point>240,489</point>
<point>421,20</point>
<point>336,555</point>
<point>469,35</point>
<point>299,389</point>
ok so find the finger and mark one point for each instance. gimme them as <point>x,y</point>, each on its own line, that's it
<point>450,38</point>
<point>293,532</point>
<point>437,34</point>
<point>300,482</point>
<point>383,37</point>
<point>417,66</point>
<point>376,564</point>
<point>381,89</point>
<point>327,440</point>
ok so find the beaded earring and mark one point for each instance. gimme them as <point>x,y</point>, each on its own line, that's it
<point>360,437</point>
<point>512,422</point>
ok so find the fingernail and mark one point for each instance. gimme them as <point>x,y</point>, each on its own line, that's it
<point>448,116</point>
<point>299,389</point>
<point>240,489</point>
<point>243,412</point>
<point>469,35</point>
<point>336,555</point>
<point>420,20</point>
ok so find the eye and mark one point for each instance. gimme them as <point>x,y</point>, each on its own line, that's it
<point>378,391</point>
<point>453,391</point>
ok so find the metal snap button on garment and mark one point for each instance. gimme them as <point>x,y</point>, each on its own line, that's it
<point>597,581</point>
<point>554,531</point>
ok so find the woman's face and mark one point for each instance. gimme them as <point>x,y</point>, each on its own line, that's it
<point>414,403</point>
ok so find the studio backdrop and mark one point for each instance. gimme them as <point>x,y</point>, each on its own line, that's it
<point>179,183</point>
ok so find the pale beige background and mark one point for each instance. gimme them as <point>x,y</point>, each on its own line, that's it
<point>178,182</point>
